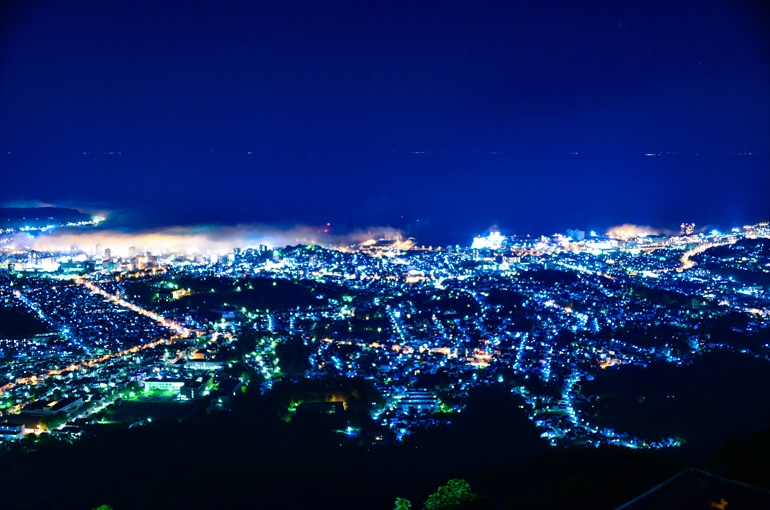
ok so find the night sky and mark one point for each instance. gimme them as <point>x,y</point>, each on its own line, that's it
<point>438,118</point>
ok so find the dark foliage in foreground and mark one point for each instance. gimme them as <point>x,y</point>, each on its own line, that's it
<point>249,458</point>
<point>714,399</point>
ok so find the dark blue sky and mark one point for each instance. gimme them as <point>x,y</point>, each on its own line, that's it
<point>308,112</point>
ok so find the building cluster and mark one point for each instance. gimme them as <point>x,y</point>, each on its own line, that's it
<point>425,326</point>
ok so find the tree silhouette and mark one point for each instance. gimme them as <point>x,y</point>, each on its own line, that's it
<point>403,504</point>
<point>450,496</point>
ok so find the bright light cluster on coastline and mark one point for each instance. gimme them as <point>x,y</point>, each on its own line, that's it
<point>93,222</point>
<point>493,241</point>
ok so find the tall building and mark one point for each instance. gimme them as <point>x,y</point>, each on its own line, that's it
<point>576,235</point>
<point>687,229</point>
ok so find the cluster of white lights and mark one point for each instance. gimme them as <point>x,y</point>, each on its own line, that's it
<point>493,241</point>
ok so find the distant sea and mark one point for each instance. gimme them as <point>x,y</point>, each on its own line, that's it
<point>439,197</point>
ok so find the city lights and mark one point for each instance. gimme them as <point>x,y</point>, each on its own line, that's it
<point>495,313</point>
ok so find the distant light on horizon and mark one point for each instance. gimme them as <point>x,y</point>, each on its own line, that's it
<point>195,239</point>
<point>494,241</point>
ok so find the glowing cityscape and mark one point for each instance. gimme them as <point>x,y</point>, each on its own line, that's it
<point>506,310</point>
<point>435,255</point>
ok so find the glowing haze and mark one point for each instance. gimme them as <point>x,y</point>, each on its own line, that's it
<point>628,230</point>
<point>198,239</point>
